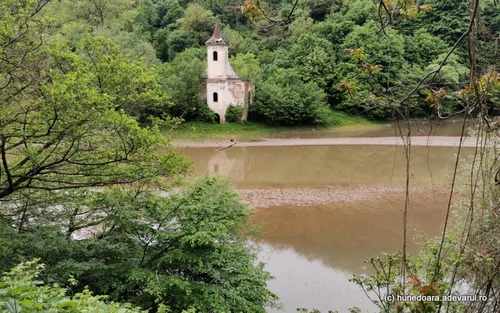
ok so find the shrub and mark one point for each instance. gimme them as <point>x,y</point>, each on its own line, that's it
<point>234,114</point>
<point>204,114</point>
<point>21,291</point>
<point>284,99</point>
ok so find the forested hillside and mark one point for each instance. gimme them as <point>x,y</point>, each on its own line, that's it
<point>329,55</point>
<point>91,187</point>
<point>83,186</point>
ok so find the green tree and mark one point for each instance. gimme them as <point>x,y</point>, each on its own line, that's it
<point>70,129</point>
<point>147,17</point>
<point>98,12</point>
<point>126,25</point>
<point>84,188</point>
<point>283,98</point>
<point>453,73</point>
<point>130,84</point>
<point>215,6</point>
<point>234,114</point>
<point>20,291</point>
<point>183,251</point>
<point>61,123</point>
<point>235,39</point>
<point>169,11</point>
<point>161,44</point>
<point>131,44</point>
<point>388,52</point>
<point>313,58</point>
<point>334,29</point>
<point>198,22</point>
<point>422,48</point>
<point>302,24</point>
<point>247,66</point>
<point>168,43</point>
<point>446,20</point>
<point>369,68</point>
<point>183,79</point>
<point>360,11</point>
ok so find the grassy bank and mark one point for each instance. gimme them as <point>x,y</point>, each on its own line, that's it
<point>199,131</point>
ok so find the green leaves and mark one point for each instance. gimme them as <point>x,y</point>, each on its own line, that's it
<point>314,59</point>
<point>20,292</point>
<point>197,252</point>
<point>283,98</point>
<point>73,128</point>
<point>197,21</point>
<point>247,66</point>
<point>184,250</point>
<point>81,177</point>
<point>182,79</point>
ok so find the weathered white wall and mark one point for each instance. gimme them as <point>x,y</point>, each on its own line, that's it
<point>220,68</point>
<point>221,79</point>
<point>230,92</point>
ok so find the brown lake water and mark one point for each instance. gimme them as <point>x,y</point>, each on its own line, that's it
<point>325,209</point>
<point>418,128</point>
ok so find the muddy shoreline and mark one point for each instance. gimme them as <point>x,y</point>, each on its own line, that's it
<point>259,198</point>
<point>430,141</point>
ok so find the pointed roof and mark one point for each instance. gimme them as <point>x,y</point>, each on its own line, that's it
<point>217,32</point>
<point>217,38</point>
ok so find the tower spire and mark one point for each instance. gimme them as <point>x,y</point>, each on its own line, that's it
<point>217,33</point>
<point>217,37</point>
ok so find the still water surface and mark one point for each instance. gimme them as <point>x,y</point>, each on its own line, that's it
<point>324,209</point>
<point>418,128</point>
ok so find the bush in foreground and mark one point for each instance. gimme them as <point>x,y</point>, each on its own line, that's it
<point>20,291</point>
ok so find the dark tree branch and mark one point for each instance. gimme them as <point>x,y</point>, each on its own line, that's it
<point>276,22</point>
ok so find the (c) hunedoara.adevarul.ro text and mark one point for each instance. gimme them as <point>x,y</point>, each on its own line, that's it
<point>426,298</point>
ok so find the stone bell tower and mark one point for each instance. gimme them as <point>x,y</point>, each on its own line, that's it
<point>224,87</point>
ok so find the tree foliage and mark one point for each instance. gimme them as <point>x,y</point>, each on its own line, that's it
<point>183,251</point>
<point>247,66</point>
<point>313,58</point>
<point>183,79</point>
<point>20,291</point>
<point>312,40</point>
<point>84,187</point>
<point>71,129</point>
<point>198,22</point>
<point>234,114</point>
<point>284,99</point>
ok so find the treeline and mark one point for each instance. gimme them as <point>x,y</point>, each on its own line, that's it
<point>85,189</point>
<point>330,55</point>
<point>85,86</point>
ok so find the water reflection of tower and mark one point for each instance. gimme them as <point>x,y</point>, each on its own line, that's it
<point>230,162</point>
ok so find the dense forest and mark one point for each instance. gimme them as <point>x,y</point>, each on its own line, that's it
<point>87,88</point>
<point>329,55</point>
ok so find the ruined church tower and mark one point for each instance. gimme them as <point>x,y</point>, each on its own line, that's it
<point>224,87</point>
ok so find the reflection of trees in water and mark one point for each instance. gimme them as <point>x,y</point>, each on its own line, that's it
<point>323,165</point>
<point>342,236</point>
<point>225,162</point>
<point>221,163</point>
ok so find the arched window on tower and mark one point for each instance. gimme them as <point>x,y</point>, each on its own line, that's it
<point>216,97</point>
<point>215,55</point>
